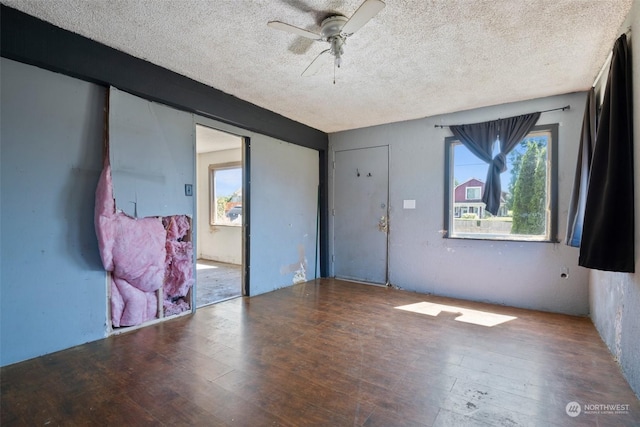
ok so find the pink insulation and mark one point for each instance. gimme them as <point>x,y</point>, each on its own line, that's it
<point>104,214</point>
<point>175,307</point>
<point>139,306</point>
<point>143,257</point>
<point>139,251</point>
<point>117,305</point>
<point>179,261</point>
<point>177,226</point>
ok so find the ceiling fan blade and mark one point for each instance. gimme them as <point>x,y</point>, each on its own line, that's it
<point>365,12</point>
<point>294,30</point>
<point>315,64</point>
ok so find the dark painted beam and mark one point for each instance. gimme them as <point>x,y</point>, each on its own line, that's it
<point>27,39</point>
<point>324,213</point>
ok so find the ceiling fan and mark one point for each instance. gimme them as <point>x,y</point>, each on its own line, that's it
<point>334,30</point>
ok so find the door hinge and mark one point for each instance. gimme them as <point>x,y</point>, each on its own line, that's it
<point>334,164</point>
<point>333,258</point>
<point>333,212</point>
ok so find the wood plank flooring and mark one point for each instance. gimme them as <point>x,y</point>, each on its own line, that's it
<point>328,353</point>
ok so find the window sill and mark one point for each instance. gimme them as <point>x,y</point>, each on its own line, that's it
<point>500,238</point>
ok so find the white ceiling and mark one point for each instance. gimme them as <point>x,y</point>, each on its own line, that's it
<point>415,59</point>
<point>208,140</point>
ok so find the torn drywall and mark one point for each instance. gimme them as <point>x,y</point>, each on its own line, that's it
<point>143,256</point>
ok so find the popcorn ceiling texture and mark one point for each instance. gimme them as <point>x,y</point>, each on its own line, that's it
<point>415,59</point>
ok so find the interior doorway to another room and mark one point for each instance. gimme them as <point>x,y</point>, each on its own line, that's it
<point>219,243</point>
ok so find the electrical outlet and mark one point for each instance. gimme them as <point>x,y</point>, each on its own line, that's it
<point>188,190</point>
<point>564,272</point>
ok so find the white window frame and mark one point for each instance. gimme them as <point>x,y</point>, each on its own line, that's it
<point>213,208</point>
<point>475,188</point>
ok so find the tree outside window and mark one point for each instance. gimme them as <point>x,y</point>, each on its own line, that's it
<point>527,209</point>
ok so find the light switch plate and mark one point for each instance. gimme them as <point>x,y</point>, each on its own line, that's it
<point>408,204</point>
<point>188,190</point>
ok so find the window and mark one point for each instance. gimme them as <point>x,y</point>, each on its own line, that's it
<point>529,191</point>
<point>474,193</point>
<point>225,182</point>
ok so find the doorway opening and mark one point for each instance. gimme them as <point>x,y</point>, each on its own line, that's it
<point>221,219</point>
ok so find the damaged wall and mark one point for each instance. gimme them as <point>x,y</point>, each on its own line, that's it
<point>150,260</point>
<point>521,274</point>
<point>151,150</point>
<point>615,297</point>
<point>52,281</point>
<point>42,317</point>
<point>615,304</point>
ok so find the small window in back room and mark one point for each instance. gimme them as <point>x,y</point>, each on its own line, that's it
<point>226,194</point>
<point>527,205</point>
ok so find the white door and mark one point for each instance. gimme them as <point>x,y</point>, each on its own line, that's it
<point>361,199</point>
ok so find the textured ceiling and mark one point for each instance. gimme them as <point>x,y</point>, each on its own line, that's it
<point>208,140</point>
<point>415,59</point>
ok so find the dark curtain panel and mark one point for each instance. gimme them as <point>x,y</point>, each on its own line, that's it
<point>479,138</point>
<point>608,232</point>
<point>512,131</point>
<point>575,218</point>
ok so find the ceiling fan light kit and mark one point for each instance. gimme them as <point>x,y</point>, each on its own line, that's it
<point>334,30</point>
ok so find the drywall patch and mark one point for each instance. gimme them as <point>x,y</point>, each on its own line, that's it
<point>618,333</point>
<point>619,291</point>
<point>299,268</point>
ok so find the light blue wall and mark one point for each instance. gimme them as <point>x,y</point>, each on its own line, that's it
<point>151,149</point>
<point>52,284</point>
<point>521,274</point>
<point>615,297</point>
<point>284,201</point>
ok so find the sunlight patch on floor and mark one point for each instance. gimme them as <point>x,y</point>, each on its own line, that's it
<point>204,266</point>
<point>482,318</point>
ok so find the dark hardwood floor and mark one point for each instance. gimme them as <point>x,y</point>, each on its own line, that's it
<point>328,353</point>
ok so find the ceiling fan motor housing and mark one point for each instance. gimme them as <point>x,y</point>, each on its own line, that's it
<point>331,30</point>
<point>332,26</point>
